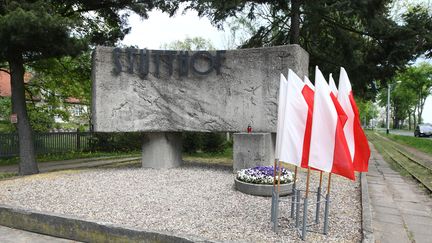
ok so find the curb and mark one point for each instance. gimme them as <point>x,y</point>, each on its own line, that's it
<point>72,228</point>
<point>367,230</point>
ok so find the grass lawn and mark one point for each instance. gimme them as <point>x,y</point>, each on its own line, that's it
<point>422,144</point>
<point>72,155</point>
<point>223,158</point>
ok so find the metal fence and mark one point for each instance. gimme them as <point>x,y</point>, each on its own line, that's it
<point>47,143</point>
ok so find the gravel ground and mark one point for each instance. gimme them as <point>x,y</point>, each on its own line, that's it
<point>192,200</point>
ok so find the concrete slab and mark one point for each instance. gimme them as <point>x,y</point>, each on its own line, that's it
<point>392,236</point>
<point>164,91</point>
<point>252,149</point>
<point>400,211</point>
<point>10,235</point>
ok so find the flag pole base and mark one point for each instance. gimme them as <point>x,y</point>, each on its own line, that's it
<point>301,211</point>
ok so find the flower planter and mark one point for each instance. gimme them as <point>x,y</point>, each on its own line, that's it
<point>261,189</point>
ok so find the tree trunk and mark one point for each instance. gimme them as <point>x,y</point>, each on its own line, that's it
<point>409,121</point>
<point>27,163</point>
<point>295,22</point>
<point>420,112</point>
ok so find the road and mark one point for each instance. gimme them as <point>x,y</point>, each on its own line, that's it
<point>401,132</point>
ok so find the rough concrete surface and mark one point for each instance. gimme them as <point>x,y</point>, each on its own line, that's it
<point>252,149</point>
<point>400,211</point>
<point>162,150</point>
<point>9,235</point>
<point>244,93</point>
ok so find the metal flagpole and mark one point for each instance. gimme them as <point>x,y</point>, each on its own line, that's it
<point>275,224</point>
<point>294,194</point>
<point>305,205</point>
<point>274,196</point>
<point>327,205</point>
<point>318,199</point>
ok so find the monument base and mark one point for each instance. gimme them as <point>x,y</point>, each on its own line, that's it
<point>253,149</point>
<point>162,150</point>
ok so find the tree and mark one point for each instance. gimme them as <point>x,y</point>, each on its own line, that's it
<point>362,36</point>
<point>418,79</point>
<point>195,43</point>
<point>367,110</point>
<point>56,80</point>
<point>37,30</point>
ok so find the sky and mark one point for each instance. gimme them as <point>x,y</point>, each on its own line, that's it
<point>159,29</point>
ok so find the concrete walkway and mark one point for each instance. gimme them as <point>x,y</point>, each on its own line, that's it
<point>71,164</point>
<point>401,212</point>
<point>9,235</point>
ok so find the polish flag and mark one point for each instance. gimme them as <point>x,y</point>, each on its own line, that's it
<point>356,139</point>
<point>308,83</point>
<point>329,149</point>
<point>297,122</point>
<point>332,85</point>
<point>281,113</point>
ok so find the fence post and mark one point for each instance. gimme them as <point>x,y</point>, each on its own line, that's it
<point>78,140</point>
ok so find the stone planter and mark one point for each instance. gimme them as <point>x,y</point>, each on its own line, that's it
<point>261,190</point>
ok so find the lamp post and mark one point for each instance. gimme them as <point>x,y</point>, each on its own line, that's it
<point>389,86</point>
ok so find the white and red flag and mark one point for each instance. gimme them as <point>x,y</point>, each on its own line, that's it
<point>328,147</point>
<point>332,85</point>
<point>297,122</point>
<point>308,83</point>
<point>281,114</point>
<point>356,139</point>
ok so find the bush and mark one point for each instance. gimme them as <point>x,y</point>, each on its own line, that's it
<point>214,142</point>
<point>116,142</point>
<point>192,142</point>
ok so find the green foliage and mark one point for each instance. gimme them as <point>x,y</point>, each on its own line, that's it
<point>367,110</point>
<point>422,144</point>
<point>5,111</point>
<point>214,142</point>
<point>116,142</point>
<point>361,36</point>
<point>192,142</point>
<point>408,97</point>
<point>41,117</point>
<point>418,81</point>
<point>56,80</point>
<point>190,44</point>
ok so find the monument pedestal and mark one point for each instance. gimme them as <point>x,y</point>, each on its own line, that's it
<point>162,150</point>
<point>253,149</point>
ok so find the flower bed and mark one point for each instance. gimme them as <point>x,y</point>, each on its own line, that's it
<point>259,181</point>
<point>264,175</point>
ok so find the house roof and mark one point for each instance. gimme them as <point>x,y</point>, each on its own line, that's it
<point>5,87</point>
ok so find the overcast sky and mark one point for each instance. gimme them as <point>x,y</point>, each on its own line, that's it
<point>158,29</point>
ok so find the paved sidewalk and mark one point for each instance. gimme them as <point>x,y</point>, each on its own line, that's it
<point>9,235</point>
<point>71,164</point>
<point>401,212</point>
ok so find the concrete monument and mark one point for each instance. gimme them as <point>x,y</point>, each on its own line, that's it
<point>162,93</point>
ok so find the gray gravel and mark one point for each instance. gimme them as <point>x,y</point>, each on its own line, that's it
<point>188,200</point>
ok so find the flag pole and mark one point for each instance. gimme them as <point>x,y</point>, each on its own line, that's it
<point>327,205</point>
<point>294,194</point>
<point>318,199</point>
<point>276,214</point>
<point>305,205</point>
<point>274,203</point>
